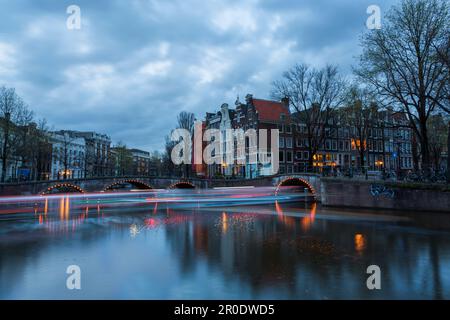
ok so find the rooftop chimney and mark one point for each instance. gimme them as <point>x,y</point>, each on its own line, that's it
<point>285,102</point>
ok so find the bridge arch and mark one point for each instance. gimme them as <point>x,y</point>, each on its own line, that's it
<point>136,183</point>
<point>182,185</point>
<point>295,181</point>
<point>63,188</point>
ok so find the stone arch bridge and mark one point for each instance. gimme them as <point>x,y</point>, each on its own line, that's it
<point>105,184</point>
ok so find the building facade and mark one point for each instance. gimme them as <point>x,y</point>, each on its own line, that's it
<point>68,155</point>
<point>387,145</point>
<point>141,162</point>
<point>98,147</point>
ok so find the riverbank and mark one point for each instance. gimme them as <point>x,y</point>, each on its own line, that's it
<point>385,195</point>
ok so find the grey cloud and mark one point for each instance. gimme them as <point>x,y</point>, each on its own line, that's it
<point>135,64</point>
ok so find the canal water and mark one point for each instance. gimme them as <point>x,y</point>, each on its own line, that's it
<point>129,249</point>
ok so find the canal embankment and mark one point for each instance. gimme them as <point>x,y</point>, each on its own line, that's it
<point>379,194</point>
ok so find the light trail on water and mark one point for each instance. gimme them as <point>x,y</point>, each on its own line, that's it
<point>176,198</point>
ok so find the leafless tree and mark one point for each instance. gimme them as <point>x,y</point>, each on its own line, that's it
<point>62,152</point>
<point>169,167</point>
<point>359,115</point>
<point>14,113</point>
<point>313,94</point>
<point>33,148</point>
<point>437,139</point>
<point>448,152</point>
<point>156,163</point>
<point>186,121</point>
<point>443,54</point>
<point>124,160</point>
<point>401,62</point>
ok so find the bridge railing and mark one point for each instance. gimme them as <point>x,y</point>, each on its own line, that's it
<point>140,177</point>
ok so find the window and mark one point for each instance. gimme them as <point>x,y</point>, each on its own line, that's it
<point>304,129</point>
<point>289,142</point>
<point>280,128</point>
<point>288,128</point>
<point>289,156</point>
<point>306,155</point>
<point>305,142</point>
<point>299,155</point>
<point>281,142</point>
<point>289,169</point>
<point>281,156</point>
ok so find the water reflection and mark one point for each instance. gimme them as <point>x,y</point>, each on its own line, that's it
<point>145,249</point>
<point>360,242</point>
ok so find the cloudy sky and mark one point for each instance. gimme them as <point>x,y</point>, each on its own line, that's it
<point>135,64</point>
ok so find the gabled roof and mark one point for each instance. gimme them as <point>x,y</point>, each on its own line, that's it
<point>270,110</point>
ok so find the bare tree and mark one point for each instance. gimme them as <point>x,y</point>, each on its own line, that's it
<point>33,148</point>
<point>168,166</point>
<point>186,121</point>
<point>62,153</point>
<point>42,150</point>
<point>13,113</point>
<point>156,163</point>
<point>359,115</point>
<point>400,61</point>
<point>443,54</point>
<point>448,152</point>
<point>124,159</point>
<point>313,94</point>
<point>437,139</point>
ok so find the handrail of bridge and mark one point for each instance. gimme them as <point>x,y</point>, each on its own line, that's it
<point>13,183</point>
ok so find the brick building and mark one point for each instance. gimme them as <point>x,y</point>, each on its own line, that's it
<point>388,144</point>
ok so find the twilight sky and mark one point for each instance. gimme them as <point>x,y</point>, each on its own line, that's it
<point>135,64</point>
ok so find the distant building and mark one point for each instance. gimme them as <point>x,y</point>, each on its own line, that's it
<point>388,144</point>
<point>141,162</point>
<point>68,155</point>
<point>97,153</point>
<point>265,114</point>
<point>254,114</point>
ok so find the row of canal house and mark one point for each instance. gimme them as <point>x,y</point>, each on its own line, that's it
<point>388,144</point>
<point>68,154</point>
